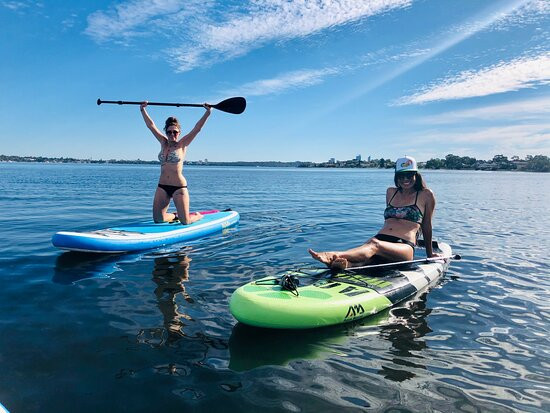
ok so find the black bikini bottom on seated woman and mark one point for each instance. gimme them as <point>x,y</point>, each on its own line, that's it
<point>170,189</point>
<point>395,240</point>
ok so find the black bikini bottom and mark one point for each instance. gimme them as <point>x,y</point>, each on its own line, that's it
<point>395,240</point>
<point>170,189</point>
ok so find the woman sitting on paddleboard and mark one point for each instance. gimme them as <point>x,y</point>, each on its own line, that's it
<point>172,183</point>
<point>410,207</point>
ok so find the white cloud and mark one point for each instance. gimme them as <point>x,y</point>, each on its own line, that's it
<point>515,128</point>
<point>14,5</point>
<point>444,41</point>
<point>273,20</point>
<point>531,12</point>
<point>137,18</point>
<point>213,31</point>
<point>280,19</point>
<point>521,140</point>
<point>289,80</point>
<point>521,136</point>
<point>510,135</point>
<point>21,5</point>
<point>520,110</point>
<point>527,72</point>
<point>510,14</point>
<point>308,77</point>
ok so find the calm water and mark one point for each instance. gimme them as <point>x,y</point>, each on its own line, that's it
<point>152,331</point>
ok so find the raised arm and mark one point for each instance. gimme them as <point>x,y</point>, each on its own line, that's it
<point>150,124</point>
<point>187,139</point>
<point>427,222</point>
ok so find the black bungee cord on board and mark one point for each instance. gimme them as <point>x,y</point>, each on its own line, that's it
<point>290,283</point>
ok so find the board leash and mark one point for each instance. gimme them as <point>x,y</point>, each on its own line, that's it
<point>288,282</point>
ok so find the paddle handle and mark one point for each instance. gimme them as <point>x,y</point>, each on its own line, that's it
<point>127,102</point>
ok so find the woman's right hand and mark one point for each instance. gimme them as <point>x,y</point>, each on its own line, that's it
<point>143,104</point>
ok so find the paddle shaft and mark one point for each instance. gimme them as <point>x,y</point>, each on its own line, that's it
<point>391,264</point>
<point>127,102</point>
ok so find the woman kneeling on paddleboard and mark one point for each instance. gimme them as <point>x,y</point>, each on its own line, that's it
<point>410,207</point>
<point>172,183</point>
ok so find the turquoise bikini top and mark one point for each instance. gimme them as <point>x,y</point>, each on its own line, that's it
<point>408,212</point>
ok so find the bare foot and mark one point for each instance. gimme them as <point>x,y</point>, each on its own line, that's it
<point>170,217</point>
<point>193,217</point>
<point>325,257</point>
<point>339,264</point>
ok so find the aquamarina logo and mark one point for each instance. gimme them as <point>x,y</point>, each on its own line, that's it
<point>408,162</point>
<point>354,311</point>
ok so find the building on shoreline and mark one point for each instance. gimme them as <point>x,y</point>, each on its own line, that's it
<point>537,163</point>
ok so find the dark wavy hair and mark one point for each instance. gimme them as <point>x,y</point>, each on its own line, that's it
<point>171,121</point>
<point>419,184</point>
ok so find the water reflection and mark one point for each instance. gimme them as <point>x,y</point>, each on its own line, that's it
<point>71,267</point>
<point>128,294</point>
<point>170,273</point>
<point>405,332</point>
<point>402,327</point>
<point>251,347</point>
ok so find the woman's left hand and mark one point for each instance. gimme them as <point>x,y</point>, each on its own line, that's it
<point>207,106</point>
<point>435,255</point>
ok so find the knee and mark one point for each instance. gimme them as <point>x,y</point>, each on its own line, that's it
<point>373,243</point>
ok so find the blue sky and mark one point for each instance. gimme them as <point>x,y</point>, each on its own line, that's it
<point>322,78</point>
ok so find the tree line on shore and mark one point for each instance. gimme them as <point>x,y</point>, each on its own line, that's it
<point>537,163</point>
<point>45,159</point>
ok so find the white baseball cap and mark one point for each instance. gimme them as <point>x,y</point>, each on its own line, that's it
<point>405,164</point>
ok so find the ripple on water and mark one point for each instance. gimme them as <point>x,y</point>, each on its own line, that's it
<point>160,321</point>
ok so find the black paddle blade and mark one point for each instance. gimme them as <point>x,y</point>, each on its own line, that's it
<point>232,105</point>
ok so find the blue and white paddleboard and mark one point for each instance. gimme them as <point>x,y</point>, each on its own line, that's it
<point>144,235</point>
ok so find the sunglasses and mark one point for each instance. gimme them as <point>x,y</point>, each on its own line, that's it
<point>406,175</point>
<point>172,132</point>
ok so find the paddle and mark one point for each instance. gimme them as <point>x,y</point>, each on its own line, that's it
<point>235,105</point>
<point>391,264</point>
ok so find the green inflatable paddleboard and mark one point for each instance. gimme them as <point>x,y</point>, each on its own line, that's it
<point>322,299</point>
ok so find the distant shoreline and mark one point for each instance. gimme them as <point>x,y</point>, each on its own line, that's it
<point>538,163</point>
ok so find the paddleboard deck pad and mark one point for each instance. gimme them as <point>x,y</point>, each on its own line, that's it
<point>323,299</point>
<point>144,235</point>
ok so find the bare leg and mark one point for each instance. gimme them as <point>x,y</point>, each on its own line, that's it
<point>393,251</point>
<point>363,254</point>
<point>160,207</point>
<point>342,259</point>
<point>181,200</point>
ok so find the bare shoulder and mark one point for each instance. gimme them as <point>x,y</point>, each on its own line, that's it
<point>390,192</point>
<point>427,195</point>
